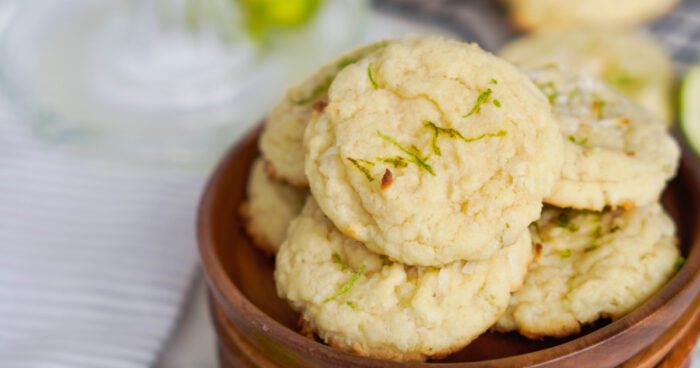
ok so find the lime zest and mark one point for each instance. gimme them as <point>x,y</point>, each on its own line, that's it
<point>566,253</point>
<point>415,154</point>
<point>591,248</point>
<point>453,133</point>
<point>371,77</point>
<point>347,285</point>
<point>363,169</point>
<point>482,99</point>
<point>436,132</point>
<point>550,90</point>
<point>339,260</point>
<point>397,161</point>
<point>342,63</point>
<point>581,142</point>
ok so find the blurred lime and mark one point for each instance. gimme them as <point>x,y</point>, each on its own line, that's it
<point>265,15</point>
<point>690,107</point>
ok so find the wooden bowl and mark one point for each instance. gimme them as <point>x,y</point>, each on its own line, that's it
<point>240,280</point>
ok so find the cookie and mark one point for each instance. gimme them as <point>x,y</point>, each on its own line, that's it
<point>281,141</point>
<point>269,208</point>
<point>591,265</point>
<point>616,153</point>
<point>632,63</point>
<point>429,160</point>
<point>592,14</point>
<point>363,302</point>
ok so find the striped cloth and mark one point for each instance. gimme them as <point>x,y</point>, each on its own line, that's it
<point>94,260</point>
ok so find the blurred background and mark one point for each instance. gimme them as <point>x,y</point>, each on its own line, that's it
<point>112,115</point>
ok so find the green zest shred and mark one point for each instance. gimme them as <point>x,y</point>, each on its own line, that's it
<point>397,161</point>
<point>345,62</point>
<point>339,260</point>
<point>550,90</point>
<point>566,253</point>
<point>482,99</point>
<point>598,231</point>
<point>371,77</point>
<point>581,142</point>
<point>351,304</point>
<point>679,263</point>
<point>415,154</point>
<point>358,163</point>
<point>591,248</point>
<point>452,133</point>
<point>348,284</point>
<point>436,132</point>
<point>497,103</point>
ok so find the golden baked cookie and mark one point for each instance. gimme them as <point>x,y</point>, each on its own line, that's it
<point>591,265</point>
<point>596,14</point>
<point>269,208</point>
<point>433,150</point>
<point>362,302</point>
<point>616,153</point>
<point>281,141</point>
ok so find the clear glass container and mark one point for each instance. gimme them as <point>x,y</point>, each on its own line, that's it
<point>157,82</point>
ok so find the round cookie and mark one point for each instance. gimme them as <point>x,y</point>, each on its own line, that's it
<point>616,153</point>
<point>270,207</point>
<point>281,141</point>
<point>591,265</point>
<point>632,63</point>
<point>595,14</point>
<point>428,160</point>
<point>362,302</point>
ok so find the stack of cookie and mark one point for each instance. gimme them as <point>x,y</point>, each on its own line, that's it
<point>428,162</point>
<point>609,245</point>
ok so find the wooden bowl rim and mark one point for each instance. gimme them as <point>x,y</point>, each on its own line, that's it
<point>687,280</point>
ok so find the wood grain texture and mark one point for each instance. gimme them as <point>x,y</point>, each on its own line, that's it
<point>236,351</point>
<point>241,283</point>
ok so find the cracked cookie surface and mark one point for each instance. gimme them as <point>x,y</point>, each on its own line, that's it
<point>428,160</point>
<point>591,265</point>
<point>270,207</point>
<point>281,141</point>
<point>362,302</point>
<point>616,153</point>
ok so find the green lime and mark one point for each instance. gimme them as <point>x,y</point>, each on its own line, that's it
<point>690,107</point>
<point>263,15</point>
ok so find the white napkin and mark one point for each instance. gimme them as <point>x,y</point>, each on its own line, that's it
<point>94,260</point>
